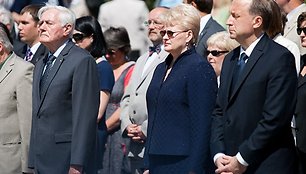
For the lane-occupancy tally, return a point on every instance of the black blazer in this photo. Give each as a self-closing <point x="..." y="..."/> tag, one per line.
<point x="41" y="52"/>
<point x="210" y="28"/>
<point x="255" y="118"/>
<point x="300" y="111"/>
<point x="64" y="119"/>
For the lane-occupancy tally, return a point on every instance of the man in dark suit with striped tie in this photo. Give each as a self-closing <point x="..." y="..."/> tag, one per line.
<point x="33" y="50"/>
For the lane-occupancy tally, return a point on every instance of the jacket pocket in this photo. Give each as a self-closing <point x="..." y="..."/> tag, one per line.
<point x="63" y="138"/>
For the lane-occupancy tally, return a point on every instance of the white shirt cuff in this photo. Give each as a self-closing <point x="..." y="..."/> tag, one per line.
<point x="217" y="156"/>
<point x="241" y="160"/>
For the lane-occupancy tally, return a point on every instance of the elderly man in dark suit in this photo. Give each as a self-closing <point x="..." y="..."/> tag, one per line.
<point x="33" y="50"/>
<point x="65" y="100"/>
<point x="208" y="26"/>
<point x="251" y="124"/>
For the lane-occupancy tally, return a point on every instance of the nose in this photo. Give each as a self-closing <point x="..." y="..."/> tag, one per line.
<point x="229" y="20"/>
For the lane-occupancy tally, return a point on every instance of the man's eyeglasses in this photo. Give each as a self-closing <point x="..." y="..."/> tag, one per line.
<point x="170" y="34"/>
<point x="215" y="53"/>
<point x="78" y="37"/>
<point x="299" y="30"/>
<point x="149" y="22"/>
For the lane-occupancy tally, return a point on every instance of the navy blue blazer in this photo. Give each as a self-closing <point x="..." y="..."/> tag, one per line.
<point x="254" y="119"/>
<point x="180" y="108"/>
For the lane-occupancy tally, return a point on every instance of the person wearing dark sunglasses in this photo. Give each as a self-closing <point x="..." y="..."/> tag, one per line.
<point x="88" y="35"/>
<point x="300" y="110"/>
<point x="218" y="45"/>
<point x="180" y="100"/>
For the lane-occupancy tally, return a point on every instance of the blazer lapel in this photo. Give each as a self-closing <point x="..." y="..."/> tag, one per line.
<point x="301" y="81"/>
<point x="161" y="57"/>
<point x="229" y="77"/>
<point x="57" y="64"/>
<point x="6" y="68"/>
<point x="254" y="57"/>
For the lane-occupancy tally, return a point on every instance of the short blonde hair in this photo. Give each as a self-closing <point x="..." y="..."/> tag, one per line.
<point x="186" y="16"/>
<point x="223" y="41"/>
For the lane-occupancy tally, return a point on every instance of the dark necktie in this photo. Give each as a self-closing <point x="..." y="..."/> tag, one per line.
<point x="239" y="68"/>
<point x="28" y="56"/>
<point x="154" y="49"/>
<point x="48" y="66"/>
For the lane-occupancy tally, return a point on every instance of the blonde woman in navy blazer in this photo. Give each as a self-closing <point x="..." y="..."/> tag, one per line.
<point x="180" y="98"/>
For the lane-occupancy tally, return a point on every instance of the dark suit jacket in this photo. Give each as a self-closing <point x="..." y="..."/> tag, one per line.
<point x="210" y="28"/>
<point x="255" y="118"/>
<point x="179" y="110"/>
<point x="64" y="119"/>
<point x="300" y="111"/>
<point x="41" y="52"/>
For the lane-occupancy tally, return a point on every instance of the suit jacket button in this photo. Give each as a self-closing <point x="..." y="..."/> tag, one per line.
<point x="134" y="112"/>
<point x="136" y="94"/>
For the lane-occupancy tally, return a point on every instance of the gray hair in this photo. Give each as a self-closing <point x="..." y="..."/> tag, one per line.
<point x="4" y="39"/>
<point x="222" y="40"/>
<point x="66" y="16"/>
<point x="6" y="17"/>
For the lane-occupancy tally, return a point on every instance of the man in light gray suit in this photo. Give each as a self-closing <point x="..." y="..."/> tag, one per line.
<point x="208" y="26"/>
<point x="134" y="106"/>
<point x="15" y="108"/>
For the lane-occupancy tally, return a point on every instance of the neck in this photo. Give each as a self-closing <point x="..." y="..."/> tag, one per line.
<point x="3" y="56"/>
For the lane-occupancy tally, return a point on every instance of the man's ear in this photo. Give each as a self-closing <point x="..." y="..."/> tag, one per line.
<point x="67" y="29"/>
<point x="257" y="22"/>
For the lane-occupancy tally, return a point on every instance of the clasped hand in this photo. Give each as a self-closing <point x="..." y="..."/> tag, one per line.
<point x="229" y="165"/>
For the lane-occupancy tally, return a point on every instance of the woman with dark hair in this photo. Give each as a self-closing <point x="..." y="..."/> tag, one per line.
<point x="118" y="44"/>
<point x="88" y="35"/>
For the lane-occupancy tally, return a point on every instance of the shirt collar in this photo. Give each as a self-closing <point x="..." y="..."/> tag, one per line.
<point x="204" y="21"/>
<point x="250" y="49"/>
<point x="60" y="49"/>
<point x="291" y="14"/>
<point x="34" y="48"/>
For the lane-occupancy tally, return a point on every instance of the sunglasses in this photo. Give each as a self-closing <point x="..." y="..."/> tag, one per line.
<point x="215" y="53"/>
<point x="110" y="52"/>
<point x="78" y="36"/>
<point x="299" y="30"/>
<point x="170" y="33"/>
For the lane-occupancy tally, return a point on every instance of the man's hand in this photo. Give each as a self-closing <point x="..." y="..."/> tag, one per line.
<point x="135" y="133"/>
<point x="146" y="172"/>
<point x="75" y="169"/>
<point x="230" y="165"/>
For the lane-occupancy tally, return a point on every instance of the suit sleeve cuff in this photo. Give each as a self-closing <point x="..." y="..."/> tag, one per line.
<point x="241" y="160"/>
<point x="217" y="156"/>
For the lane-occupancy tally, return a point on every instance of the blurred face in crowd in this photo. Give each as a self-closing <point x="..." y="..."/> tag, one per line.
<point x="155" y="25"/>
<point x="215" y="57"/>
<point x="240" y="21"/>
<point x="82" y="40"/>
<point x="52" y="32"/>
<point x="28" y="29"/>
<point x="303" y="34"/>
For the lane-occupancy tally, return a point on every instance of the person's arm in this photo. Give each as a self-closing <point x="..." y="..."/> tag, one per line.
<point x="201" y="92"/>
<point x="24" y="112"/>
<point x="85" y="106"/>
<point x="113" y="121"/>
<point x="104" y="98"/>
